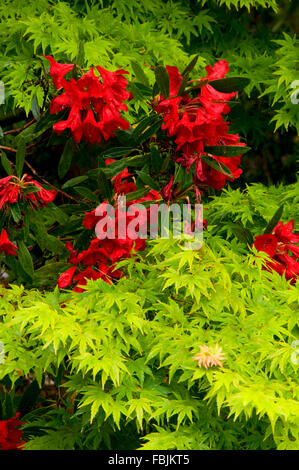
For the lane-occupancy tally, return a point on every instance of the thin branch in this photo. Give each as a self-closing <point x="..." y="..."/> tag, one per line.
<point x="9" y="149"/>
<point x="36" y="174"/>
<point x="49" y="184"/>
<point x="15" y="131"/>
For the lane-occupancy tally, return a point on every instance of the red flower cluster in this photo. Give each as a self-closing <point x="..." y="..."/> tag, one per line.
<point x="198" y="122"/>
<point x="10" y="436"/>
<point x="100" y="258"/>
<point x="277" y="245"/>
<point x="6" y="246"/>
<point x="13" y="189"/>
<point x="95" y="106"/>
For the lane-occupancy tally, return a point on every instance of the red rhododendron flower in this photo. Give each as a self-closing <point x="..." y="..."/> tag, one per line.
<point x="266" y="243"/>
<point x="58" y="71"/>
<point x="43" y="196"/>
<point x="74" y="123"/>
<point x="9" y="191"/>
<point x="10" y="436"/>
<point x="12" y="190"/>
<point x="73" y="253"/>
<point x="65" y="278"/>
<point x="284" y="232"/>
<point x="278" y="245"/>
<point x="166" y="192"/>
<point x="6" y="246"/>
<point x="90" y="220"/>
<point x="95" y="102"/>
<point x="196" y="122"/>
<point x="102" y="254"/>
<point x="120" y="183"/>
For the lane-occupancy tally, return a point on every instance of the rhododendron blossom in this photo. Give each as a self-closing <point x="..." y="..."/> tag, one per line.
<point x="99" y="260"/>
<point x="6" y="246"/>
<point x="13" y="189"/>
<point x="10" y="436"/>
<point x="95" y="102"/>
<point x="196" y="122"/>
<point x="278" y="245"/>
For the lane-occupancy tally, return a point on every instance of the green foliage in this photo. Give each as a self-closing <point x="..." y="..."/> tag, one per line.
<point x="120" y="34"/>
<point x="257" y="39"/>
<point x="113" y="367"/>
<point x="286" y="69"/>
<point x="121" y="356"/>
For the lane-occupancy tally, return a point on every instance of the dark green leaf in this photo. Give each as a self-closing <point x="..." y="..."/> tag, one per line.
<point x="54" y="213"/>
<point x="156" y="159"/>
<point x="25" y="259"/>
<point x="199" y="85"/>
<point x="115" y="168"/>
<point x="186" y="179"/>
<point x="226" y="150"/>
<point x="105" y="186"/>
<point x="80" y="56"/>
<point x="71" y="227"/>
<point x="139" y="73"/>
<point x="148" y="180"/>
<point x="35" y="108"/>
<point x="5" y="163"/>
<point x="149" y="132"/>
<point x="48" y="274"/>
<point x="140" y="90"/>
<point x="20" y="157"/>
<point x="47" y="120"/>
<point x="217" y="166"/>
<point x="136" y="194"/>
<point x="125" y="137"/>
<point x="29" y="398"/>
<point x="29" y="133"/>
<point x="243" y="234"/>
<point x="183" y="84"/>
<point x="31" y="189"/>
<point x="82" y="240"/>
<point x="66" y="159"/>
<point x="143" y="125"/>
<point x="155" y="89"/>
<point x="15" y="212"/>
<point x="116" y="152"/>
<point x="86" y="193"/>
<point x="8" y="405"/>
<point x="190" y="66"/>
<point x="74" y="208"/>
<point x="186" y="74"/>
<point x="2" y="219"/>
<point x="274" y="221"/>
<point x="162" y="80"/>
<point x="137" y="161"/>
<point x="74" y="181"/>
<point x="229" y="85"/>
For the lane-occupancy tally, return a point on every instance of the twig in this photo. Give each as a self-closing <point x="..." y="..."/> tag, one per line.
<point x="10" y="149"/>
<point x="49" y="184"/>
<point x="3" y="147"/>
<point x="15" y="131"/>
